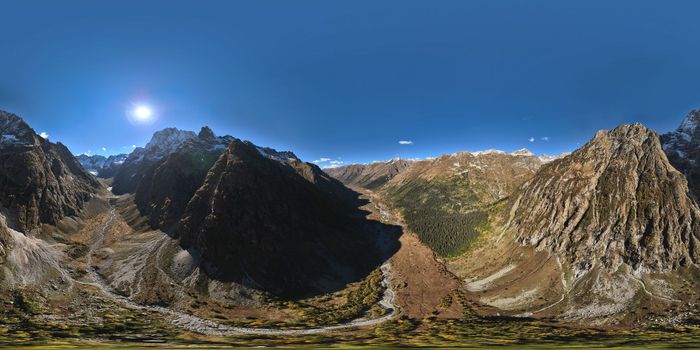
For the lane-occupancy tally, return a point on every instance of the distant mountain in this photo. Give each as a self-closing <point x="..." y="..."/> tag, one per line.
<point x="270" y="218"/>
<point x="101" y="166"/>
<point x="369" y="176"/>
<point x="40" y="182"/>
<point x="445" y="200"/>
<point x="162" y="144"/>
<point x="682" y="147"/>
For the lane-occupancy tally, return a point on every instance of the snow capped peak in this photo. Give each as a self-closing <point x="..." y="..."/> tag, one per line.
<point x="691" y="122"/>
<point x="545" y="158"/>
<point x="488" y="151"/>
<point x="522" y="152"/>
<point x="166" y="141"/>
<point x="13" y="130"/>
<point x="284" y="156"/>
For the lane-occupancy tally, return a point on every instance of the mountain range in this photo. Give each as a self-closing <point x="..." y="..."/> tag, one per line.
<point x="204" y="228"/>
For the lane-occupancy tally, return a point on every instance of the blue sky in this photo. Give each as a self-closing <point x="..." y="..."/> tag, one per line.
<point x="350" y="79"/>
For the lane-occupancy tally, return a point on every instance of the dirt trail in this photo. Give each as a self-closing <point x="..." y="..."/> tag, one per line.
<point x="207" y="327"/>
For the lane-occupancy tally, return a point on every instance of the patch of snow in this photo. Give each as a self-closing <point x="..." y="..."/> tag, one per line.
<point x="545" y="158"/>
<point x="9" y="138"/>
<point x="488" y="151"/>
<point x="522" y="152"/>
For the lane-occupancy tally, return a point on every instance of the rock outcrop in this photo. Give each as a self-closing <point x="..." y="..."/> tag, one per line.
<point x="615" y="201"/>
<point x="40" y="182"/>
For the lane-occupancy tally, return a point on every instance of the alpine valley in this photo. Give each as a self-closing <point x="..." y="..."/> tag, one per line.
<point x="198" y="239"/>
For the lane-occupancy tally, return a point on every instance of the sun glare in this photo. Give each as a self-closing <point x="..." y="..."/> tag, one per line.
<point x="141" y="114"/>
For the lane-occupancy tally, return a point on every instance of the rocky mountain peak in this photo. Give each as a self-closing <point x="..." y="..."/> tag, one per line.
<point x="523" y="152"/>
<point x="40" y="182"/>
<point x="206" y="133"/>
<point x="690" y="123"/>
<point x="682" y="148"/>
<point x="167" y="141"/>
<point x="14" y="130"/>
<point x="615" y="201"/>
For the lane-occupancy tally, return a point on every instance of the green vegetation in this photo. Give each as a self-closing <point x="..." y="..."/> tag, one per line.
<point x="349" y="304"/>
<point x="21" y="323"/>
<point x="445" y="215"/>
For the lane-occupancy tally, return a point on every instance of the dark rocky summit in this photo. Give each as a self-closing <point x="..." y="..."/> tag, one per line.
<point x="168" y="185"/>
<point x="139" y="162"/>
<point x="682" y="147"/>
<point x="40" y="182"/>
<point x="277" y="222"/>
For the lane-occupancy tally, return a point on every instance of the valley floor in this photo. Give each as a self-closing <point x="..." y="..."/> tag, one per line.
<point x="424" y="305"/>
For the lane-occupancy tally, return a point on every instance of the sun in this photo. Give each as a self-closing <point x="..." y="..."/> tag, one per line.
<point x="141" y="113"/>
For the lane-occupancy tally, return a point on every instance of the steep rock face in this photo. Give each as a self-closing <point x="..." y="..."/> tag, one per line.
<point x="269" y="219"/>
<point x="40" y="182"/>
<point x="617" y="200"/>
<point x="370" y="176"/>
<point x="682" y="147"/>
<point x="139" y="162"/>
<point x="166" y="187"/>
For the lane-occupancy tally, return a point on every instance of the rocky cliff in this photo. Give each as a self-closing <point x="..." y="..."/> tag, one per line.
<point x="617" y="200"/>
<point x="40" y="182"/>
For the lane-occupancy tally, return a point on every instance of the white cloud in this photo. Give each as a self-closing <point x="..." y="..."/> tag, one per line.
<point x="405" y="142"/>
<point x="44" y="135"/>
<point x="88" y="153"/>
<point x="133" y="146"/>
<point x="328" y="163"/>
<point x="532" y="139"/>
<point x="321" y="160"/>
<point x="333" y="164"/>
<point x="104" y="149"/>
<point x="544" y="138"/>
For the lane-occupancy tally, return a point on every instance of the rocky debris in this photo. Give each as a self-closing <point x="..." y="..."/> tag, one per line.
<point x="615" y="201"/>
<point x="40" y="182"/>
